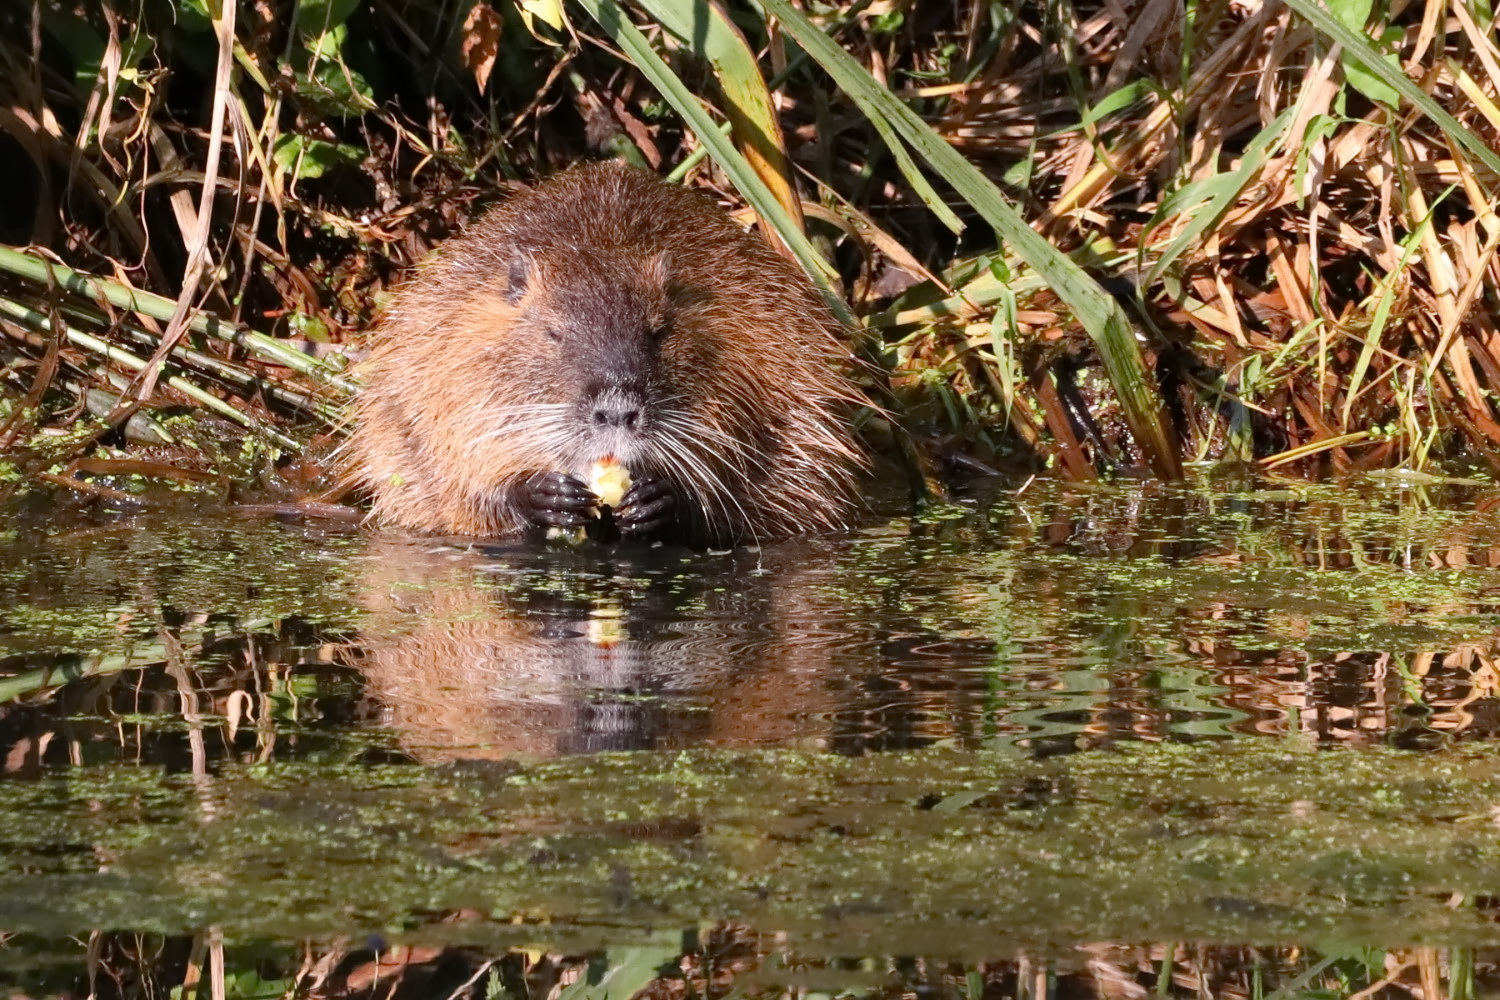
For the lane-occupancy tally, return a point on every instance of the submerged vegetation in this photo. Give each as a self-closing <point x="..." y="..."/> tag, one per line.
<point x="1291" y="206"/>
<point x="947" y="853"/>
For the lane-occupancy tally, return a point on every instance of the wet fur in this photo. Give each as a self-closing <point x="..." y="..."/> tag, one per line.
<point x="469" y="395"/>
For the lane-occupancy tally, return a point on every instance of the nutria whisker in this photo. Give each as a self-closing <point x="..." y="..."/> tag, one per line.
<point x="678" y="455"/>
<point x="517" y="420"/>
<point x="740" y="452"/>
<point x="681" y="463"/>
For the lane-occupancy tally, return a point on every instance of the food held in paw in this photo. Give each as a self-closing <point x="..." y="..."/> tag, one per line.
<point x="609" y="481"/>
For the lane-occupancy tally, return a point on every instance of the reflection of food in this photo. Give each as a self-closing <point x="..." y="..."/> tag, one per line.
<point x="608" y="480"/>
<point x="593" y="655"/>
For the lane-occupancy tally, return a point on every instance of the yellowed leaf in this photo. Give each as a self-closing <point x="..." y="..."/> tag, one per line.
<point x="747" y="101"/>
<point x="549" y="12"/>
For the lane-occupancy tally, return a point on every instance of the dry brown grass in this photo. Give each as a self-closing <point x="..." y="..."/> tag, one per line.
<point x="1314" y="270"/>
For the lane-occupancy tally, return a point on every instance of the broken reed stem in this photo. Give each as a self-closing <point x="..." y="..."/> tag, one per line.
<point x="161" y="308"/>
<point x="219" y="368"/>
<point x="37" y="321"/>
<point x="197" y="262"/>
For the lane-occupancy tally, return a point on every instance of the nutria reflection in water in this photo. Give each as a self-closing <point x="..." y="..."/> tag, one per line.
<point x="562" y="657"/>
<point x="604" y="339"/>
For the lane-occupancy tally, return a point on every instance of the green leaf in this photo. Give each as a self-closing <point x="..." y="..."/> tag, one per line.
<point x="194" y="15"/>
<point x="317" y="17"/>
<point x="248" y="985"/>
<point x="1363" y="79"/>
<point x="303" y="156"/>
<point x="958" y="801"/>
<point x="1121" y="99"/>
<point x="1100" y="315"/>
<point x="625" y="972"/>
<point x="326" y="80"/>
<point x="1359" y="46"/>
<point x="1217" y="194"/>
<point x="914" y="176"/>
<point x="1353" y="14"/>
<point x="84" y="45"/>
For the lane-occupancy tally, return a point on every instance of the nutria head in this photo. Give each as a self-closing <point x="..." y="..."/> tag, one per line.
<point x="594" y="348"/>
<point x="604" y="314"/>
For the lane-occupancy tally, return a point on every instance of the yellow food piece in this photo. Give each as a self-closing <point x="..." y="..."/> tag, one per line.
<point x="608" y="481"/>
<point x="606" y="627"/>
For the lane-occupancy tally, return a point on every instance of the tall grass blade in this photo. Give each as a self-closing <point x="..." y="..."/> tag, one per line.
<point x="1100" y="315"/>
<point x="628" y="37"/>
<point x="198" y="248"/>
<point x="1206" y="201"/>
<point x="747" y="102"/>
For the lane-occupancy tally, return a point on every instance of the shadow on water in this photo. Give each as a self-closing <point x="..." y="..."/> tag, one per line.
<point x="280" y="760"/>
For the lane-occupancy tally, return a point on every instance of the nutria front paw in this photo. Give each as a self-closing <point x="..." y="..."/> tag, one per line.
<point x="647" y="506"/>
<point x="558" y="500"/>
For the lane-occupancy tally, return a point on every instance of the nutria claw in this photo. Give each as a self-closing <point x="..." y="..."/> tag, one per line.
<point x="558" y="500"/>
<point x="647" y="506"/>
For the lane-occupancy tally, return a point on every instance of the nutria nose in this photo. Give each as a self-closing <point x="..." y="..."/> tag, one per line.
<point x="615" y="407"/>
<point x="616" y="416"/>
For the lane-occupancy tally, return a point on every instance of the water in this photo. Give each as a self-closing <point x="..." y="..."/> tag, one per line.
<point x="1209" y="740"/>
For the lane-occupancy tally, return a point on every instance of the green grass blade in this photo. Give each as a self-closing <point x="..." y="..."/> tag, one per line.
<point x="1100" y="315"/>
<point x="1215" y="195"/>
<point x="1357" y="44"/>
<point x="747" y="101"/>
<point x="914" y="176"/>
<point x="635" y="45"/>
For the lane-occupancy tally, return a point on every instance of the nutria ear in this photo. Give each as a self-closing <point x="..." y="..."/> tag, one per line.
<point x="658" y="268"/>
<point x="658" y="272"/>
<point x="518" y="277"/>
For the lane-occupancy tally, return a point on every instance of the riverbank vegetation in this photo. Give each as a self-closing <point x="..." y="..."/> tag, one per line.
<point x="1090" y="236"/>
<point x="727" y="959"/>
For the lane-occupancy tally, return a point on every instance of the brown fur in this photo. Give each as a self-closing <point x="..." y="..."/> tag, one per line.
<point x="744" y="379"/>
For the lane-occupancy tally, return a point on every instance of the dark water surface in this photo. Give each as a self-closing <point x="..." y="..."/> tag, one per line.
<point x="1194" y="741"/>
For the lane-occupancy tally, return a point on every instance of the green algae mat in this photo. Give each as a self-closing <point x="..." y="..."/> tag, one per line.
<point x="938" y="853"/>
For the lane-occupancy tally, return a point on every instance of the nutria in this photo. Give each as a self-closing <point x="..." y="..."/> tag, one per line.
<point x="604" y="316"/>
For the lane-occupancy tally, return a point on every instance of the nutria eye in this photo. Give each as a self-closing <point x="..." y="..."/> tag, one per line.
<point x="657" y="334"/>
<point x="553" y="333"/>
